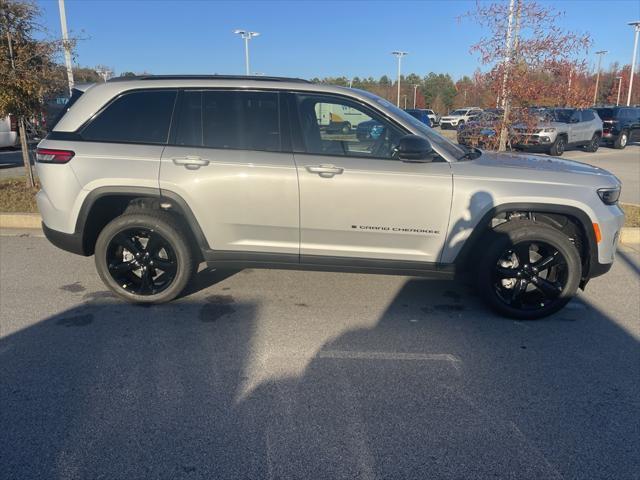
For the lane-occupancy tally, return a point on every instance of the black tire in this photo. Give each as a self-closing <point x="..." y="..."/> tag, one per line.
<point x="537" y="289"/>
<point x="557" y="149"/>
<point x="622" y="140"/>
<point x="134" y="276"/>
<point x="593" y="144"/>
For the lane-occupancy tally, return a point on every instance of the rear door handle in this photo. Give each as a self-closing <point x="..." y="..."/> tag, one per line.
<point x="191" y="162"/>
<point x="326" y="171"/>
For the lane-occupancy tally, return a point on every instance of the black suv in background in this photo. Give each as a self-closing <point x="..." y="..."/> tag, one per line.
<point x="620" y="125"/>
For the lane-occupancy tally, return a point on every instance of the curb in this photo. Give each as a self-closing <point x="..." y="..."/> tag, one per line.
<point x="20" y="220"/>
<point x="33" y="220"/>
<point x="630" y="235"/>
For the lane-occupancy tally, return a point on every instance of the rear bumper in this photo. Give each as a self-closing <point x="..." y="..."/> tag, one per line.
<point x="71" y="242"/>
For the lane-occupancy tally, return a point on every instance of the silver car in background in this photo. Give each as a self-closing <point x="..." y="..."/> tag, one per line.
<point x="554" y="130"/>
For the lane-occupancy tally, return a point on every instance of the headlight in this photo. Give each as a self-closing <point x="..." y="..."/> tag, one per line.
<point x="609" y="196"/>
<point x="548" y="130"/>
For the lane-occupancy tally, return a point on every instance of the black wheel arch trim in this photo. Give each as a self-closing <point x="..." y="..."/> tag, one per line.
<point x="144" y="192"/>
<point x="591" y="267"/>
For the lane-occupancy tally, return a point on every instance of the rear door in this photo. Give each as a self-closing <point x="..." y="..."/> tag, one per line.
<point x="359" y="202"/>
<point x="230" y="161"/>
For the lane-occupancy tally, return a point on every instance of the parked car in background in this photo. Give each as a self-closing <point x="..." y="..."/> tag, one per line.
<point x="621" y="125"/>
<point x="480" y="131"/>
<point x="459" y="117"/>
<point x="435" y="118"/>
<point x="556" y="129"/>
<point x="9" y="132"/>
<point x="420" y="114"/>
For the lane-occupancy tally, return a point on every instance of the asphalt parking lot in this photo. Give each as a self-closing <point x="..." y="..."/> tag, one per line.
<point x="283" y="374"/>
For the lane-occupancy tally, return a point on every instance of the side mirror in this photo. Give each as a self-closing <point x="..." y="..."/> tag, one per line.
<point x="414" y="148"/>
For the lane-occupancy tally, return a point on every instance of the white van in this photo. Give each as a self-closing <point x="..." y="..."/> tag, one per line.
<point x="8" y="131"/>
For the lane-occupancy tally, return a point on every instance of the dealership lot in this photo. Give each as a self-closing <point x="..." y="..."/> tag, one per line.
<point x="310" y="375"/>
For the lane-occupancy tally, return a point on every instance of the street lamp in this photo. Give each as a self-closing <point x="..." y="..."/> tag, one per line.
<point x="595" y="93"/>
<point x="636" y="27"/>
<point x="415" y="92"/>
<point x="619" y="85"/>
<point x="246" y="35"/>
<point x="398" y="54"/>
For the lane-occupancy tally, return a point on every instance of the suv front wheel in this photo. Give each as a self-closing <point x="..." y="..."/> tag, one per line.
<point x="557" y="149"/>
<point x="143" y="257"/>
<point x="529" y="270"/>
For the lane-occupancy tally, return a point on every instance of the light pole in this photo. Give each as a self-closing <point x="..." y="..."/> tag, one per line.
<point x="398" y="54"/>
<point x="619" y="85"/>
<point x="595" y="93"/>
<point x="246" y="35"/>
<point x="636" y="27"/>
<point x="66" y="45"/>
<point x="415" y="92"/>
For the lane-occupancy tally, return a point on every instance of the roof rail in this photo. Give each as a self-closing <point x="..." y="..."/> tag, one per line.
<point x="209" y="77"/>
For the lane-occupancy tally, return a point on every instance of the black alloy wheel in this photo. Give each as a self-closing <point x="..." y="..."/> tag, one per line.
<point x="141" y="261"/>
<point x="530" y="276"/>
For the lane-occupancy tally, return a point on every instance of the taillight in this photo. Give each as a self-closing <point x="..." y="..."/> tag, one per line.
<point x="47" y="155"/>
<point x="14" y="123"/>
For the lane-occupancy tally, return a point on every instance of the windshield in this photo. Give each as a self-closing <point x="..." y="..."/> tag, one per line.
<point x="459" y="112"/>
<point x="606" y="113"/>
<point x="562" y="115"/>
<point x="440" y="143"/>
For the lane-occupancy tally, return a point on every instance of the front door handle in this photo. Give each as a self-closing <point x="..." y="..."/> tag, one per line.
<point x="191" y="162"/>
<point x="325" y="171"/>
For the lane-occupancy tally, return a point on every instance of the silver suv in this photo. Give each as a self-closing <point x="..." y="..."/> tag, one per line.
<point x="155" y="175"/>
<point x="557" y="129"/>
<point x="459" y="117"/>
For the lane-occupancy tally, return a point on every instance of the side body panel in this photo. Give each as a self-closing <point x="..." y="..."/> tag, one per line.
<point x="384" y="209"/>
<point x="480" y="187"/>
<point x="242" y="200"/>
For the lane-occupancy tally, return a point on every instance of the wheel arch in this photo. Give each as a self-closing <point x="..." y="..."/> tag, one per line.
<point x="546" y="213"/>
<point x="105" y="203"/>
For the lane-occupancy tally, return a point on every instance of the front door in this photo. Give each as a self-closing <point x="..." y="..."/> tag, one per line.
<point x="228" y="161"/>
<point x="356" y="200"/>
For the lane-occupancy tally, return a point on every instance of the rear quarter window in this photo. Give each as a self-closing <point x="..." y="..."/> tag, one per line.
<point x="134" y="117"/>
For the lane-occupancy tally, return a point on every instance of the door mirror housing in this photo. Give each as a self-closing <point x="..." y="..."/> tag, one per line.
<point x="414" y="148"/>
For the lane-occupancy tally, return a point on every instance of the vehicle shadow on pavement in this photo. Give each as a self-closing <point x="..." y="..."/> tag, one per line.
<point x="436" y="388"/>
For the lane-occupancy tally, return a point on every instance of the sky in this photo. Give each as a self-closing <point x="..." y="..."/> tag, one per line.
<point x="307" y="38"/>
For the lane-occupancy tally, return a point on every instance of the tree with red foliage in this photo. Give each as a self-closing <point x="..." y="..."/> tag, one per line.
<point x="532" y="60"/>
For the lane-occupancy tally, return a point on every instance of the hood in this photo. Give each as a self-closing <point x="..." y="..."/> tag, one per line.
<point x="541" y="163"/>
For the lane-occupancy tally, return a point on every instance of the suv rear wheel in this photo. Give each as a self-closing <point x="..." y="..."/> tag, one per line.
<point x="529" y="270"/>
<point x="593" y="145"/>
<point x="557" y="149"/>
<point x="143" y="257"/>
<point x="621" y="141"/>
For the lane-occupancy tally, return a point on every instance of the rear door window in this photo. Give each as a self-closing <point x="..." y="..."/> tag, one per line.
<point x="587" y="115"/>
<point x="135" y="117"/>
<point x="229" y="120"/>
